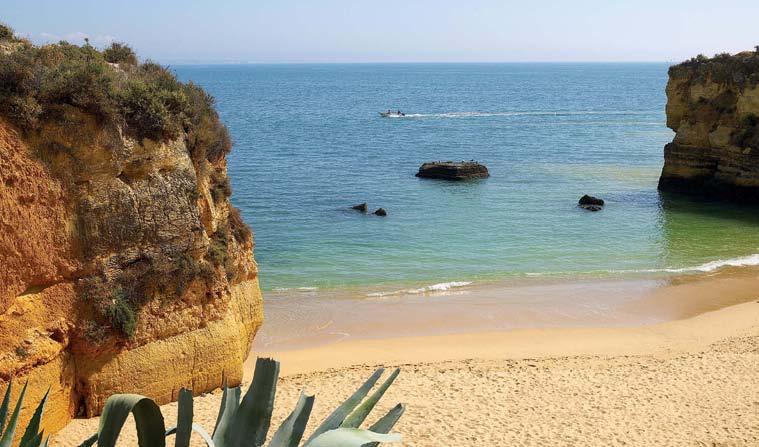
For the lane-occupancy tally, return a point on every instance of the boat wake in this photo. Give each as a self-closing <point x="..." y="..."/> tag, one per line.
<point x="523" y="113"/>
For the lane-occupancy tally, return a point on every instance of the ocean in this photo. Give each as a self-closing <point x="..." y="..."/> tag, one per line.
<point x="309" y="143"/>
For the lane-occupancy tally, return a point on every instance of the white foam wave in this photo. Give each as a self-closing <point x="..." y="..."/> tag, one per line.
<point x="711" y="266"/>
<point x="441" y="287"/>
<point x="300" y="289"/>
<point x="523" y="113"/>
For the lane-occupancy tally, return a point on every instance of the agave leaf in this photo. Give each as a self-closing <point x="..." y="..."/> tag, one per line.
<point x="337" y="417"/>
<point x="89" y="441"/>
<point x="222" y="406"/>
<point x="250" y="423"/>
<point x="351" y="437"/>
<point x="34" y="441"/>
<point x="10" y="430"/>
<point x="291" y="431"/>
<point x="197" y="428"/>
<point x="387" y="422"/>
<point x="230" y="400"/>
<point x="147" y="417"/>
<point x="4" y="406"/>
<point x="184" y="419"/>
<point x="33" y="428"/>
<point x="357" y="417"/>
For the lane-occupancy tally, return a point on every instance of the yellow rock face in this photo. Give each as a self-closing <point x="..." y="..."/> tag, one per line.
<point x="713" y="106"/>
<point x="83" y="205"/>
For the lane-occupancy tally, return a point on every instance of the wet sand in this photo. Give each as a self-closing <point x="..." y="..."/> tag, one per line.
<point x="309" y="318"/>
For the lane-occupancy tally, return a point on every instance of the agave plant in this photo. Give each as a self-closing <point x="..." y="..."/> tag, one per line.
<point x="32" y="437"/>
<point x="245" y="422"/>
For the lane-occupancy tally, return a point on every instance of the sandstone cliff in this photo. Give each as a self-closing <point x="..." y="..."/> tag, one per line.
<point x="124" y="266"/>
<point x="713" y="105"/>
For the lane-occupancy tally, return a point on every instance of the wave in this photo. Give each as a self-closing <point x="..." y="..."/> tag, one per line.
<point x="744" y="261"/>
<point x="440" y="287"/>
<point x="299" y="289"/>
<point x="524" y="113"/>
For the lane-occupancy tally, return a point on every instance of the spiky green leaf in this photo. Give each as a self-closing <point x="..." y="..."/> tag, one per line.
<point x="387" y="422"/>
<point x="230" y="402"/>
<point x="4" y="406"/>
<point x="184" y="419"/>
<point x="351" y="437"/>
<point x="147" y="417"/>
<point x="250" y="423"/>
<point x="89" y="441"/>
<point x="337" y="417"/>
<point x="197" y="428"/>
<point x="7" y="438"/>
<point x="357" y="417"/>
<point x="291" y="431"/>
<point x="33" y="428"/>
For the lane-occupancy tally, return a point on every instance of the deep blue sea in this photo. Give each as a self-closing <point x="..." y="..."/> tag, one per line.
<point x="309" y="143"/>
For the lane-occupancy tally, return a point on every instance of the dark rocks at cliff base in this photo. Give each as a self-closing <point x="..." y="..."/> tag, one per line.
<point x="590" y="203"/>
<point x="380" y="212"/>
<point x="361" y="207"/>
<point x="450" y="170"/>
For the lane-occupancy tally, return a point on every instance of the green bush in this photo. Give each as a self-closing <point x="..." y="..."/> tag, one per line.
<point x="121" y="314"/>
<point x="146" y="99"/>
<point x="6" y="32"/>
<point x="120" y="53"/>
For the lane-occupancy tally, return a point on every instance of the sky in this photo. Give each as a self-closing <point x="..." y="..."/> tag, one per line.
<point x="273" y="31"/>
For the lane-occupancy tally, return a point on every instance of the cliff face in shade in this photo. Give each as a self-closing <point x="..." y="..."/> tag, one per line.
<point x="713" y="106"/>
<point x="92" y="219"/>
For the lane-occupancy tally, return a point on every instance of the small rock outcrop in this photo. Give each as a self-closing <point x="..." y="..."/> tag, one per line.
<point x="380" y="212"/>
<point x="361" y="207"/>
<point x="590" y="203"/>
<point x="450" y="170"/>
<point x="713" y="106"/>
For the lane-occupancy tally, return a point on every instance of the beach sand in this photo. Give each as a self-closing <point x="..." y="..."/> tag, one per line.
<point x="691" y="381"/>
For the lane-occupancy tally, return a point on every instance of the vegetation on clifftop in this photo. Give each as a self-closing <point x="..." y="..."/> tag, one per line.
<point x="741" y="69"/>
<point x="37" y="83"/>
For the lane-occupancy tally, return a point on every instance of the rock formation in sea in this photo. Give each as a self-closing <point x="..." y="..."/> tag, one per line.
<point x="450" y="170"/>
<point x="713" y="106"/>
<point x="124" y="266"/>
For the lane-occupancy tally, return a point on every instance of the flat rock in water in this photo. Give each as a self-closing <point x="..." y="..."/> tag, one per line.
<point x="450" y="170"/>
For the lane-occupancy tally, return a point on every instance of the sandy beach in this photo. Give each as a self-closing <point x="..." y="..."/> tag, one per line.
<point x="690" y="381"/>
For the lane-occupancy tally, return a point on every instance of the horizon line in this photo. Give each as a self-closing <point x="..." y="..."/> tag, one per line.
<point x="222" y="62"/>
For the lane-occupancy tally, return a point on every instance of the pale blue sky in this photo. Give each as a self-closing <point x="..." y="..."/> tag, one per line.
<point x="174" y="31"/>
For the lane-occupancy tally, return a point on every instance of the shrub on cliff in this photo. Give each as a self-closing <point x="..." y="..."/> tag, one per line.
<point x="6" y="32"/>
<point x="120" y="53"/>
<point x="146" y="100"/>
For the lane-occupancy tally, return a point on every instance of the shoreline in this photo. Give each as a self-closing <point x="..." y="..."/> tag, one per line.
<point x="309" y="319"/>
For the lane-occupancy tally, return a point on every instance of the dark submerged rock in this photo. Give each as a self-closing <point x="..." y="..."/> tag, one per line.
<point x="450" y="170"/>
<point x="381" y="212"/>
<point x="590" y="200"/>
<point x="361" y="207"/>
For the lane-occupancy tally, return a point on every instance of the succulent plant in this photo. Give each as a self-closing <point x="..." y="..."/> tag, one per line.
<point x="240" y="423"/>
<point x="32" y="437"/>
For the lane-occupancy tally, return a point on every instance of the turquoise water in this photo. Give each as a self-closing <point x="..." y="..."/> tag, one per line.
<point x="309" y="143"/>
